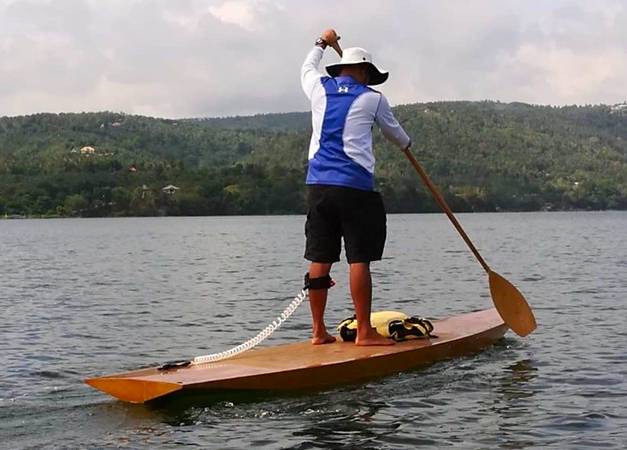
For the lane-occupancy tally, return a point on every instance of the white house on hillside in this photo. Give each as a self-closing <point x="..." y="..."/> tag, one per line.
<point x="170" y="189"/>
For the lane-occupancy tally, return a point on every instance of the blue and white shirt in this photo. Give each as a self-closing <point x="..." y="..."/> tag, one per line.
<point x="342" y="115"/>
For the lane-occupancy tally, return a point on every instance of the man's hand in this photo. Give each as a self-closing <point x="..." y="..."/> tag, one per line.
<point x="330" y="36"/>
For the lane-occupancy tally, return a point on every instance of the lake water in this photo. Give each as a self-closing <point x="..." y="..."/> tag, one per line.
<point x="87" y="297"/>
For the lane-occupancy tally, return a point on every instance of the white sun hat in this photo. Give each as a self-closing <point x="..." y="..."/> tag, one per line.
<point x="357" y="55"/>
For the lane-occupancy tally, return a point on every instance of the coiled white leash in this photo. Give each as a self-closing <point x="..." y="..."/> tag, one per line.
<point x="255" y="341"/>
<point x="324" y="282"/>
<point x="249" y="344"/>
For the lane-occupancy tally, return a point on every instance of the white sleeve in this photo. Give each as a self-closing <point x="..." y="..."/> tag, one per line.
<point x="309" y="73"/>
<point x="389" y="125"/>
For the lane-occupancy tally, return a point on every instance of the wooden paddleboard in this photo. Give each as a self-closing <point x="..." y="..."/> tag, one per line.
<point x="302" y="366"/>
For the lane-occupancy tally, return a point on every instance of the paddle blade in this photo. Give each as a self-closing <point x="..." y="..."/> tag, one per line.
<point x="511" y="305"/>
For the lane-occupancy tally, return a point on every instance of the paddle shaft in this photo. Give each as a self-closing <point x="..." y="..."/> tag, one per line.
<point x="438" y="197"/>
<point x="434" y="191"/>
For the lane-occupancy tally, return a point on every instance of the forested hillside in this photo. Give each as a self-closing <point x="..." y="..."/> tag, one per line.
<point x="485" y="156"/>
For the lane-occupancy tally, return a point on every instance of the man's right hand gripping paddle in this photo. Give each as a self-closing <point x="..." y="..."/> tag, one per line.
<point x="330" y="37"/>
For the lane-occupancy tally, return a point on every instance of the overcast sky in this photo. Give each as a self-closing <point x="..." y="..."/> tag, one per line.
<point x="197" y="58"/>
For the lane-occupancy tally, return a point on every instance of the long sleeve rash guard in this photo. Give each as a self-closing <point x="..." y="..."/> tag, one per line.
<point x="342" y="115"/>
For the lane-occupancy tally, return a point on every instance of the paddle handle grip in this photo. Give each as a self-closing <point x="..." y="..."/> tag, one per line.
<point x="438" y="198"/>
<point x="331" y="37"/>
<point x="337" y="48"/>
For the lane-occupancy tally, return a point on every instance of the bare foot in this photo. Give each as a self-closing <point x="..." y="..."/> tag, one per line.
<point x="373" y="338"/>
<point x="326" y="338"/>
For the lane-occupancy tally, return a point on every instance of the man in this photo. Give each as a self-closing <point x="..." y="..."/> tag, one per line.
<point x="340" y="178"/>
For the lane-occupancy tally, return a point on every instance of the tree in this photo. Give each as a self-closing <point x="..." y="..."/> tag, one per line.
<point x="74" y="205"/>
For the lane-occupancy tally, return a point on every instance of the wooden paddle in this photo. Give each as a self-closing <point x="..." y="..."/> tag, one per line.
<point x="508" y="300"/>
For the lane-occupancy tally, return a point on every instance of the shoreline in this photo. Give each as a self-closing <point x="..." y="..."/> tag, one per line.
<point x="42" y="217"/>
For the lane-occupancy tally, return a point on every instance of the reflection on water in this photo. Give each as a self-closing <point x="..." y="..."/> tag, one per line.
<point x="356" y="425"/>
<point x="514" y="383"/>
<point x="515" y="402"/>
<point x="87" y="297"/>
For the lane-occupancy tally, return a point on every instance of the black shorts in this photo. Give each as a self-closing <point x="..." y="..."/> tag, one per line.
<point x="335" y="212"/>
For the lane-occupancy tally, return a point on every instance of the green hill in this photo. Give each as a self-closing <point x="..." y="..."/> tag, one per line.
<point x="485" y="156"/>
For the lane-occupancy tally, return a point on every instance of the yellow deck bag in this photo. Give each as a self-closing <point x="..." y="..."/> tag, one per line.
<point x="393" y="324"/>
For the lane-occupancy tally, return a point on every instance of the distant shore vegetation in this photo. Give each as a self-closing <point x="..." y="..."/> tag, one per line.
<point x="484" y="156"/>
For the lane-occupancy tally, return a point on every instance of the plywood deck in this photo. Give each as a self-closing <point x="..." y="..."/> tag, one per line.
<point x="304" y="366"/>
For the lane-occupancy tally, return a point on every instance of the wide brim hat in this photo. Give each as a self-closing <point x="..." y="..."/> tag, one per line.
<point x="356" y="55"/>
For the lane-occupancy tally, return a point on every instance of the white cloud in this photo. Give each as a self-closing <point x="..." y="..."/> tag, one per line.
<point x="202" y="57"/>
<point x="240" y="13"/>
<point x="586" y="76"/>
